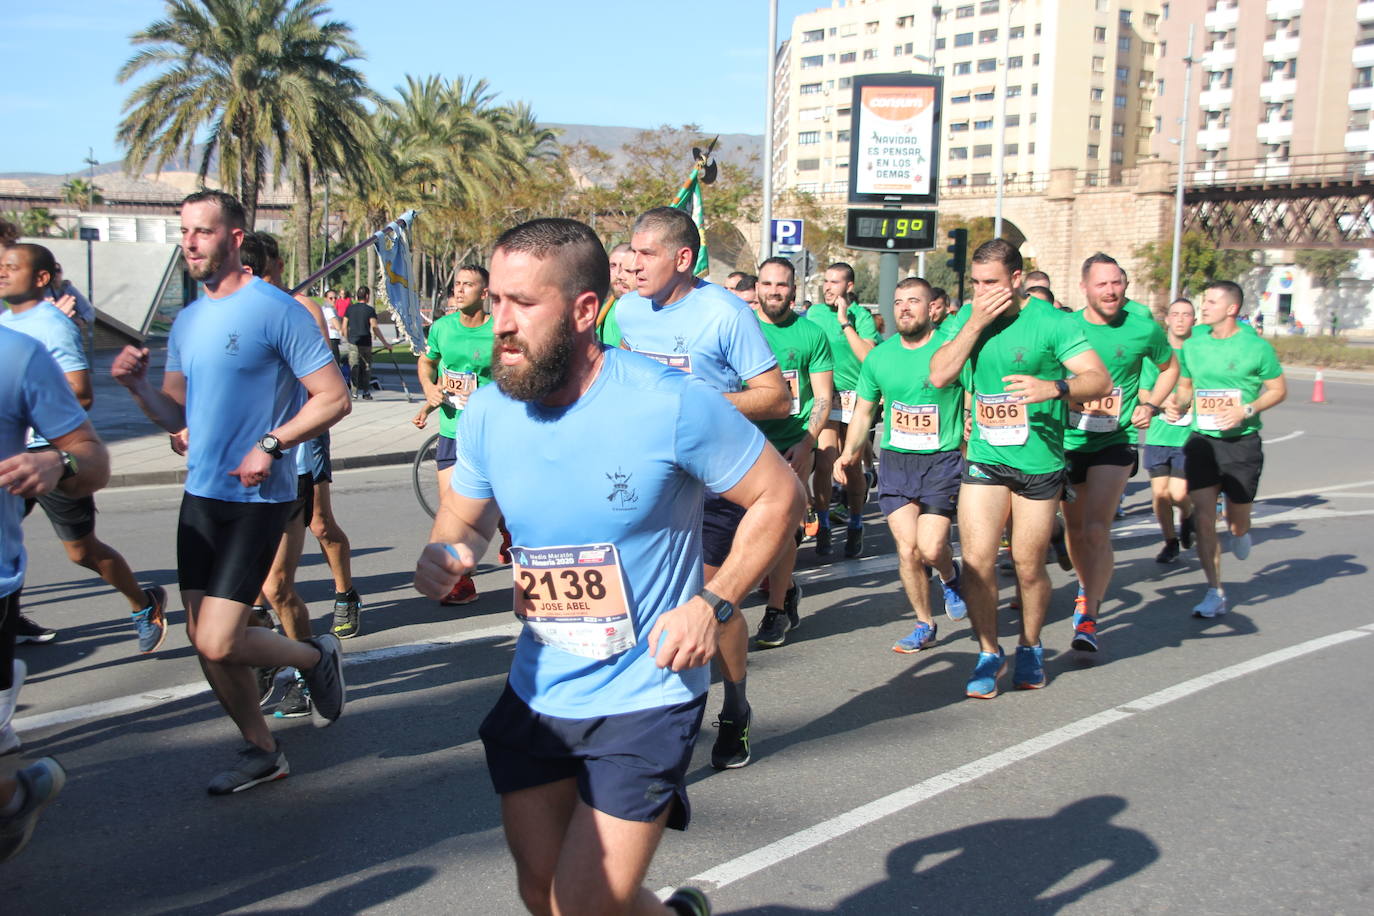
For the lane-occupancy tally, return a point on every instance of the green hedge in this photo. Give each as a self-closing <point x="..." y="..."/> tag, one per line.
<point x="1326" y="352"/>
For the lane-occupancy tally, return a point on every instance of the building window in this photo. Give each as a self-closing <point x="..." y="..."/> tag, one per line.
<point x="1031" y="148"/>
<point x="870" y="53"/>
<point x="871" y="28"/>
<point x="958" y="127"/>
<point x="1118" y="129"/>
<point x="1100" y="35"/>
<point x="1035" y="60"/>
<point x="843" y="112"/>
<point x="897" y="51"/>
<point x="1099" y="64"/>
<point x="1015" y="63"/>
<point x="1147" y="48"/>
<point x="982" y="179"/>
<point x="1359" y="119"/>
<point x="963" y="12"/>
<point x="849" y="57"/>
<point x="811" y="114"/>
<point x="939" y="44"/>
<point x="987" y="37"/>
<point x="1016" y="31"/>
<point x="1144" y="132"/>
<point x="988" y="65"/>
<point x="846" y="82"/>
<point x="982" y="151"/>
<point x="842" y="136"/>
<point x="963" y="39"/>
<point x="1035" y="90"/>
<point x="959" y="99"/>
<point x="1013" y="120"/>
<point x="984" y="96"/>
<point x="808" y="137"/>
<point x="1117" y="157"/>
<point x="813" y="35"/>
<point x="958" y="181"/>
<point x="1013" y="92"/>
<point x="905" y="22"/>
<point x="808" y="165"/>
<point x="1011" y="149"/>
<point x="1095" y="94"/>
<point x="841" y="163"/>
<point x="958" y="152"/>
<point x="1123" y="44"/>
<point x="1123" y="74"/>
<point x="963" y="68"/>
<point x="1159" y="124"/>
<point x="982" y="124"/>
<point x="1125" y="17"/>
<point x="987" y="6"/>
<point x="1092" y="150"/>
<point x="938" y="71"/>
<point x="1364" y="78"/>
<point x="1094" y="122"/>
<point x="1119" y="101"/>
<point x="810" y="63"/>
<point x="810" y="88"/>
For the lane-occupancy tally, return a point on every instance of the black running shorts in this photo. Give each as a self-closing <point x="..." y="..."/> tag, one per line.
<point x="1121" y="455"/>
<point x="1234" y="465"/>
<point x="1030" y="486"/>
<point x="225" y="549"/>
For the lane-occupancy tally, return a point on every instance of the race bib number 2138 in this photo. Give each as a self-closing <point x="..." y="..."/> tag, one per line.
<point x="573" y="598"/>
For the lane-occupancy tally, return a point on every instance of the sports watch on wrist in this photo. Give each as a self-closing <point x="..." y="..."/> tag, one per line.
<point x="1063" y="388"/>
<point x="271" y="445"/>
<point x="1249" y="411"/>
<point x="69" y="466"/>
<point x="723" y="609"/>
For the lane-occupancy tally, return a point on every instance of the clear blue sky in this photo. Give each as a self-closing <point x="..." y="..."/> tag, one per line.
<point x="637" y="63"/>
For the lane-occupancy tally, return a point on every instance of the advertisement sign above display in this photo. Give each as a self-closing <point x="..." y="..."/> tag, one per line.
<point x="894" y="151"/>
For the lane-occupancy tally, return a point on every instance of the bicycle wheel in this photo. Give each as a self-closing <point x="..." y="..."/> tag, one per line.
<point x="424" y="475"/>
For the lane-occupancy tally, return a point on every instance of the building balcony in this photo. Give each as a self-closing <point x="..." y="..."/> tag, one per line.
<point x="1364" y="12"/>
<point x="1362" y="56"/>
<point x="1284" y="9"/>
<point x="1269" y="169"/>
<point x="1362" y="98"/>
<point x="1224" y="18"/>
<point x="1219" y="57"/>
<point x="1284" y="47"/>
<point x="1215" y="99"/>
<point x="1278" y="90"/>
<point x="1213" y="137"/>
<point x="1274" y="131"/>
<point x="1359" y="141"/>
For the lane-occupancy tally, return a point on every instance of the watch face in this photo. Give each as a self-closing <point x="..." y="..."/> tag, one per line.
<point x="724" y="611"/>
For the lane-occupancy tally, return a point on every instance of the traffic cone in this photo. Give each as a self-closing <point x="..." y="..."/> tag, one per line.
<point x="1319" y="389"/>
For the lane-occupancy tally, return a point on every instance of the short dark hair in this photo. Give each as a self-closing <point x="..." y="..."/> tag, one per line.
<point x="477" y="269"/>
<point x="583" y="264"/>
<point x="363" y="294"/>
<point x="909" y="282"/>
<point x="676" y="228"/>
<point x="1184" y="299"/>
<point x="1232" y="291"/>
<point x="1041" y="292"/>
<point x="253" y="254"/>
<point x="40" y="258"/>
<point x="269" y="244"/>
<point x="1038" y="277"/>
<point x="781" y="262"/>
<point x="938" y="292"/>
<point x="746" y="283"/>
<point x="1101" y="258"/>
<point x="999" y="251"/>
<point x="735" y="275"/>
<point x="234" y="214"/>
<point x="848" y="271"/>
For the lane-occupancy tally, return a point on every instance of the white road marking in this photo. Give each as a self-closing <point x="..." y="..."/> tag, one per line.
<point x="794" y="844"/>
<point x="1293" y="435"/>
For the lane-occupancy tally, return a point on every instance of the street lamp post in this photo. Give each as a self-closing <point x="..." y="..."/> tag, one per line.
<point x="1182" y="167"/>
<point x="766" y="229"/>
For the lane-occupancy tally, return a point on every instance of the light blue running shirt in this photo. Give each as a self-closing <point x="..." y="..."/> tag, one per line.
<point x="625" y="466"/>
<point x="33" y="393"/>
<point x="710" y="332"/>
<point x="242" y="357"/>
<point x="47" y="324"/>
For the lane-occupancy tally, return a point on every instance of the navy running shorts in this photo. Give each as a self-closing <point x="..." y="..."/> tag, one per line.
<point x="720" y="519"/>
<point x="631" y="766"/>
<point x="931" y="481"/>
<point x="225" y="549"/>
<point x="1165" y="461"/>
<point x="72" y="517"/>
<point x="445" y="452"/>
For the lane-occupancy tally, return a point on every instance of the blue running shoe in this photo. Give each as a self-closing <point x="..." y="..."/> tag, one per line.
<point x="982" y="684"/>
<point x="954" y="602"/>
<point x="1084" y="633"/>
<point x="1030" y="668"/>
<point x="922" y="637"/>
<point x="151" y="622"/>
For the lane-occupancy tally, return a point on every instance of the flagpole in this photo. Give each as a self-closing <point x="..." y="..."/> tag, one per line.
<point x="299" y="287"/>
<point x="766" y="230"/>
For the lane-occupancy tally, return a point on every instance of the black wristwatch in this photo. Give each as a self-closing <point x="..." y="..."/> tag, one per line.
<point x="723" y="609"/>
<point x="1155" y="409"/>
<point x="271" y="445"/>
<point x="69" y="467"/>
<point x="1063" y="387"/>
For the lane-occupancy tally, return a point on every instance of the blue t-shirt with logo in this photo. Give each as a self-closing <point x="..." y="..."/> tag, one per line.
<point x="242" y="357"/>
<point x="33" y="393"/>
<point x="625" y="465"/>
<point x="47" y="324"/>
<point x="710" y="332"/>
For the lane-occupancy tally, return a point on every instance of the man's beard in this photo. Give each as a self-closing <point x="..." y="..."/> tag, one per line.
<point x="915" y="332"/>
<point x="775" y="312"/>
<point x="543" y="372"/>
<point x="208" y="267"/>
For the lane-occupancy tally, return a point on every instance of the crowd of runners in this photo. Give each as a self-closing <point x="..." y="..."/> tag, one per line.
<point x="745" y="427"/>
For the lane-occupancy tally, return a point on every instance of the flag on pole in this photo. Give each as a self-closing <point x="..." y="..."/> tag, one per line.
<point x="689" y="199"/>
<point x="393" y="249"/>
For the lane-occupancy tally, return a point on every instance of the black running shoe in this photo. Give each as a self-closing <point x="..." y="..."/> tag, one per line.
<point x="267" y="680"/>
<point x="326" y="681"/>
<point x="791" y="603"/>
<point x="1185" y="533"/>
<point x="295" y="704"/>
<point x="1061" y="551"/>
<point x="253" y="767"/>
<point x="1170" y="552"/>
<point x="347" y="615"/>
<point x="773" y="630"/>
<point x="854" y="542"/>
<point x="823" y="548"/>
<point x="731" y="750"/>
<point x="26" y="630"/>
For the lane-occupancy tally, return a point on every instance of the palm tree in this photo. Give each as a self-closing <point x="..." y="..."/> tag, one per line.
<point x="84" y="194"/>
<point x="264" y="79"/>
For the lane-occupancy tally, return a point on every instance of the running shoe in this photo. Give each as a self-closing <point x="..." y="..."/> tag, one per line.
<point x="1121" y="509"/>
<point x="464" y="592"/>
<point x="1061" y="550"/>
<point x="348" y="610"/>
<point x="26" y="630"/>
<point x="267" y="683"/>
<point x="688" y="901"/>
<point x="1084" y="633"/>
<point x="731" y="750"/>
<point x="1030" y="668"/>
<point x="839" y="513"/>
<point x="326" y="681"/>
<point x="1213" y="604"/>
<point x="982" y="684"/>
<point x="812" y="523"/>
<point x="791" y="604"/>
<point x="1185" y="532"/>
<point x="260" y="616"/>
<point x="503" y="555"/>
<point x="853" y="542"/>
<point x="922" y="637"/>
<point x="1080" y="607"/>
<point x="955" y="608"/>
<point x="151" y="622"/>
<point x="870" y="477"/>
<point x="295" y="703"/>
<point x="253" y="766"/>
<point x="1170" y="552"/>
<point x="823" y="548"/>
<point x="1240" y="546"/>
<point x="41" y="781"/>
<point x="773" y="630"/>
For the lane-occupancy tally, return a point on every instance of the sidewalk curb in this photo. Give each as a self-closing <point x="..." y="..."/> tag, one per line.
<point x="156" y="478"/>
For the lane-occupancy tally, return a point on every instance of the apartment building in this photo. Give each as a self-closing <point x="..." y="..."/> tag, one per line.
<point x="1066" y="83"/>
<point x="1273" y="80"/>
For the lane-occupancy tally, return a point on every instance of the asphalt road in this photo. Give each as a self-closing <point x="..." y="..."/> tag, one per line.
<point x="1208" y="766"/>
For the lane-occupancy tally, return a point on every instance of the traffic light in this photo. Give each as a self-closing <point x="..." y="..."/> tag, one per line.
<point x="958" y="251"/>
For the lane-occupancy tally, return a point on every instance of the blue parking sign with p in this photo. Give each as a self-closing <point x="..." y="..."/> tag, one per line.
<point x="787" y="236"/>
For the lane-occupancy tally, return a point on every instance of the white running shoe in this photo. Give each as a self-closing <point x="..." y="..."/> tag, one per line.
<point x="1240" y="546"/>
<point x="1213" y="604"/>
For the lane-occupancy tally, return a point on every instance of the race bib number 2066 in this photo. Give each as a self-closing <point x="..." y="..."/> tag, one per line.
<point x="574" y="598"/>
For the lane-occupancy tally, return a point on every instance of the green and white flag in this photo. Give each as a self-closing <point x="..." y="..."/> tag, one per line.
<point x="689" y="199"/>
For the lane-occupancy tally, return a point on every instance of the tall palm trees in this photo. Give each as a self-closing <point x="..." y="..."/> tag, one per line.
<point x="271" y="82"/>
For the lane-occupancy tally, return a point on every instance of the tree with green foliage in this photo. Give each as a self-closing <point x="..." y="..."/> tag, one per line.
<point x="81" y="192"/>
<point x="1200" y="262"/>
<point x="270" y="80"/>
<point x="1324" y="265"/>
<point x="35" y="222"/>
